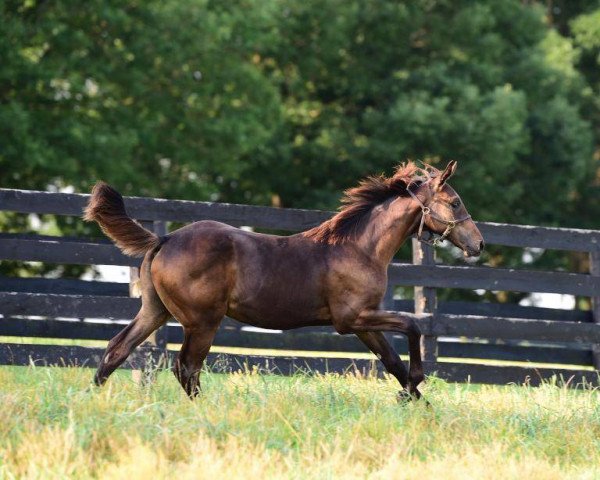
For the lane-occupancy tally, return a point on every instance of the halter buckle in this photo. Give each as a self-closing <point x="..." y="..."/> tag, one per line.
<point x="436" y="242"/>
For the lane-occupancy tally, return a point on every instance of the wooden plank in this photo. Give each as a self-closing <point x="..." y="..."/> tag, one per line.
<point x="26" y="201"/>
<point x="513" y="311"/>
<point x="58" y="355"/>
<point x="291" y="340"/>
<point x="325" y="342"/>
<point x="594" y="259"/>
<point x="24" y="354"/>
<point x="518" y="353"/>
<point x="84" y="329"/>
<point x="62" y="286"/>
<point x="29" y="201"/>
<point x="78" y="306"/>
<point x="295" y="340"/>
<point x="71" y="329"/>
<point x="502" y="375"/>
<point x="571" y="239"/>
<point x="425" y="301"/>
<point x="58" y="250"/>
<point x="65" y="238"/>
<point x="69" y="306"/>
<point x="444" y="276"/>
<point x="472" y="326"/>
<point x="337" y="343"/>
<point x="387" y="303"/>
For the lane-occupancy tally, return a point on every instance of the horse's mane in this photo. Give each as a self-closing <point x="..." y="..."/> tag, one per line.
<point x="358" y="202"/>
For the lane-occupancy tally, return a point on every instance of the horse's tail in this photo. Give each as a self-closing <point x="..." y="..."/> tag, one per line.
<point x="106" y="207"/>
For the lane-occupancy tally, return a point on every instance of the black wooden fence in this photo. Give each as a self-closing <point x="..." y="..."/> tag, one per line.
<point x="66" y="308"/>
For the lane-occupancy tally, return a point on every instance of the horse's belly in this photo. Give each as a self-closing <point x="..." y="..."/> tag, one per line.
<point x="278" y="314"/>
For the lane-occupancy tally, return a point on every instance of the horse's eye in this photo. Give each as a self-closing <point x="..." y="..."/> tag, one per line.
<point x="455" y="204"/>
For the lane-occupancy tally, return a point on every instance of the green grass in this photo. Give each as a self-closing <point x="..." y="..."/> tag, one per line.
<point x="53" y="424"/>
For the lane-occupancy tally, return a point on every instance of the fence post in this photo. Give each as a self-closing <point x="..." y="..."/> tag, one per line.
<point x="425" y="298"/>
<point x="387" y="303"/>
<point x="153" y="352"/>
<point x="595" y="270"/>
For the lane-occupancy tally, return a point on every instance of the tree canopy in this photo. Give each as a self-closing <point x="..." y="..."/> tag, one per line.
<point x="288" y="102"/>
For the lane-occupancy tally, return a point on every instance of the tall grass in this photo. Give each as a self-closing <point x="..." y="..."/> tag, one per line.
<point x="53" y="424"/>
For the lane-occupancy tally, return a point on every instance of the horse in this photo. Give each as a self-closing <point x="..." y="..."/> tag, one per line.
<point x="334" y="274"/>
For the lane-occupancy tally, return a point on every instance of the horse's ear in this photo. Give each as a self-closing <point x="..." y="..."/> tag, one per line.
<point x="440" y="181"/>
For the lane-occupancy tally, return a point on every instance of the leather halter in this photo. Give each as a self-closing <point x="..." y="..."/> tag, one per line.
<point x="425" y="210"/>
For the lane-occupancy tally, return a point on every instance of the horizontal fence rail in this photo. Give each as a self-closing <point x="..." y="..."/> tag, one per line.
<point x="151" y="209"/>
<point x="299" y="340"/>
<point x="95" y="311"/>
<point x="472" y="326"/>
<point x="67" y="286"/>
<point x="444" y="276"/>
<point x="55" y="250"/>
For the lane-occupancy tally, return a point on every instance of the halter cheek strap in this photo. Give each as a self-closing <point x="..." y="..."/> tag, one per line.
<point x="425" y="210"/>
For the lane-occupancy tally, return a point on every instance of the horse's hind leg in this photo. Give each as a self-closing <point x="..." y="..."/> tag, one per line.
<point x="149" y="318"/>
<point x="196" y="345"/>
<point x="152" y="315"/>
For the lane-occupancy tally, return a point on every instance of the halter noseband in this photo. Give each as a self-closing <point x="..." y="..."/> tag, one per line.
<point x="425" y="210"/>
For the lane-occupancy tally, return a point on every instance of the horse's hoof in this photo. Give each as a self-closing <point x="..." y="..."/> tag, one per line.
<point x="421" y="398"/>
<point x="404" y="397"/>
<point x="99" y="379"/>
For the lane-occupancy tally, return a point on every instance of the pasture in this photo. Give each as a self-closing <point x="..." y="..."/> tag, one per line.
<point x="258" y="115"/>
<point x="54" y="424"/>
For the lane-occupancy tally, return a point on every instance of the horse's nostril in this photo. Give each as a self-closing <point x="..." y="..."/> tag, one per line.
<point x="481" y="246"/>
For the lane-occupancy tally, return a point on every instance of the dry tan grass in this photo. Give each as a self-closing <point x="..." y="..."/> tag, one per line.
<point x="54" y="425"/>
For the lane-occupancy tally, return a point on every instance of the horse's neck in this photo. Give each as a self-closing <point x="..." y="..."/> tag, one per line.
<point x="389" y="226"/>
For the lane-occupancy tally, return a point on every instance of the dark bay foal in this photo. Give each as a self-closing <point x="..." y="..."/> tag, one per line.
<point x="334" y="274"/>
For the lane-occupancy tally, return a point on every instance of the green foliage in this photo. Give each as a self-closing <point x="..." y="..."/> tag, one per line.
<point x="157" y="98"/>
<point x="289" y="102"/>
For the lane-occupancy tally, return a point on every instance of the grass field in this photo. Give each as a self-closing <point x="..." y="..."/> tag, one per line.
<point x="53" y="424"/>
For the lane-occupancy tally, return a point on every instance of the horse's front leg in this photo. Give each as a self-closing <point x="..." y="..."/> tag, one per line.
<point x="384" y="321"/>
<point x="379" y="345"/>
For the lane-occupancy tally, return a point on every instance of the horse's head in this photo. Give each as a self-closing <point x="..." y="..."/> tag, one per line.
<point x="445" y="214"/>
